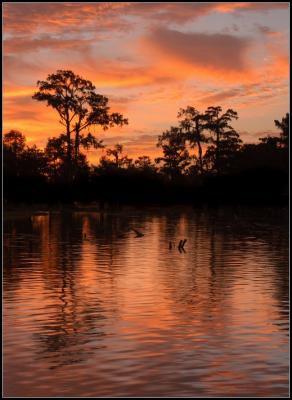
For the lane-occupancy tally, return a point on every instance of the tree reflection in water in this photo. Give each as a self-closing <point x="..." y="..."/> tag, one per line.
<point x="87" y="293"/>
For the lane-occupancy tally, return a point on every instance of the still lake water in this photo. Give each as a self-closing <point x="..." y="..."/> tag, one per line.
<point x="90" y="309"/>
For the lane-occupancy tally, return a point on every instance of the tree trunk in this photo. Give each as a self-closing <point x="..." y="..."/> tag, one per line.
<point x="198" y="137"/>
<point x="76" y="153"/>
<point x="200" y="156"/>
<point x="217" y="151"/>
<point x="69" y="153"/>
<point x="76" y="146"/>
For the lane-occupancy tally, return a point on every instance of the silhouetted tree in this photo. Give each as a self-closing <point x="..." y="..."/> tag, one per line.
<point x="270" y="141"/>
<point x="56" y="152"/>
<point x="13" y="146"/>
<point x="79" y="107"/>
<point x="193" y="123"/>
<point x="284" y="127"/>
<point x="276" y="141"/>
<point x="176" y="156"/>
<point x="248" y="173"/>
<point x="20" y="159"/>
<point x="15" y="141"/>
<point x="118" y="160"/>
<point x="144" y="163"/>
<point x="225" y="140"/>
<point x="33" y="162"/>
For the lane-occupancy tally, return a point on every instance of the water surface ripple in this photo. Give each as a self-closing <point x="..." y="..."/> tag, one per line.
<point x="90" y="309"/>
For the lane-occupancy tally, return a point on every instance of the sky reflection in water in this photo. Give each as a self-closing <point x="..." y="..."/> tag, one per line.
<point x="112" y="314"/>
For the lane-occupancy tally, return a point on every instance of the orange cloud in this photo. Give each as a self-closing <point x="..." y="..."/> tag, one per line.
<point x="249" y="6"/>
<point x="24" y="18"/>
<point x="18" y="92"/>
<point x="195" y="55"/>
<point x="184" y="12"/>
<point x="147" y="72"/>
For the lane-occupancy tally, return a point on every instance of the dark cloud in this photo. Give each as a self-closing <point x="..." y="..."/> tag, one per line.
<point x="170" y="12"/>
<point x="231" y="29"/>
<point x="265" y="30"/>
<point x="25" y="17"/>
<point x="254" y="93"/>
<point x="221" y="95"/>
<point x="18" y="71"/>
<point x="215" y="51"/>
<point x="181" y="12"/>
<point x="25" y="45"/>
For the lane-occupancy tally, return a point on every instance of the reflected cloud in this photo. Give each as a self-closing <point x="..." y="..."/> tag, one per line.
<point x="79" y="296"/>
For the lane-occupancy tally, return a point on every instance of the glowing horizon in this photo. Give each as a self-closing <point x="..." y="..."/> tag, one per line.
<point x="150" y="60"/>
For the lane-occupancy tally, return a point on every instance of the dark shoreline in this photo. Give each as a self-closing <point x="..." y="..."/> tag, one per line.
<point x="253" y="187"/>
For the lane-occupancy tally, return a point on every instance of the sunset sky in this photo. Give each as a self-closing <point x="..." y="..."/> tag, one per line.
<point x="150" y="59"/>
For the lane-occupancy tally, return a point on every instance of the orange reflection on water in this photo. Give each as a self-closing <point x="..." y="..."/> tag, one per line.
<point x="83" y="292"/>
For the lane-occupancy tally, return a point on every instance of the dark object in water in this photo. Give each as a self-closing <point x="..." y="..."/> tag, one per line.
<point x="138" y="234"/>
<point x="181" y="244"/>
<point x="170" y="246"/>
<point x="84" y="236"/>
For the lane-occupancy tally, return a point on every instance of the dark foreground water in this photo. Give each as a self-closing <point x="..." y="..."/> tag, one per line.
<point x="92" y="310"/>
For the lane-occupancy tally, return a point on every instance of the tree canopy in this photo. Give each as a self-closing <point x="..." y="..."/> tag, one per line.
<point x="203" y="145"/>
<point x="283" y="125"/>
<point x="79" y="107"/>
<point x="193" y="123"/>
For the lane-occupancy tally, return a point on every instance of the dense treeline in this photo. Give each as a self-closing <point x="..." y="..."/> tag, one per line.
<point x="203" y="158"/>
